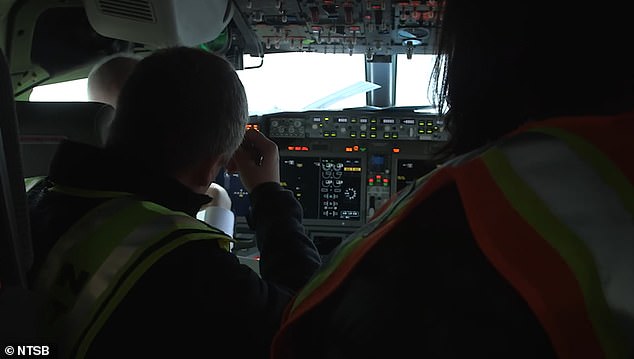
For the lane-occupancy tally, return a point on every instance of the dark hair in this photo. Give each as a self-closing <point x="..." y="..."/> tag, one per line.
<point x="503" y="63"/>
<point x="179" y="106"/>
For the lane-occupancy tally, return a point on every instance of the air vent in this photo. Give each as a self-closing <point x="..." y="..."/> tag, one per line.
<point x="139" y="10"/>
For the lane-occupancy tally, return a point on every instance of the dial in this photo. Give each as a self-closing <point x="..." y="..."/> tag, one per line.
<point x="350" y="193"/>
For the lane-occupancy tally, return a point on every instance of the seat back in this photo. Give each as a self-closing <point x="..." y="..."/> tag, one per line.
<point x="43" y="125"/>
<point x="17" y="302"/>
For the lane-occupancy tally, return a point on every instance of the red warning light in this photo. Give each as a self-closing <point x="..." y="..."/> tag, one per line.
<point x="396" y="150"/>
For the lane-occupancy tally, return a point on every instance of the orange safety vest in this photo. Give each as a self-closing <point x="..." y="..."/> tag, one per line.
<point x="551" y="206"/>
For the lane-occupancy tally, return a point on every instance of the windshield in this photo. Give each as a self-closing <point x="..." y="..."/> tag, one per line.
<point x="298" y="81"/>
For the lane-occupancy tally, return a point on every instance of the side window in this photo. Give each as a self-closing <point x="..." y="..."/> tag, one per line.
<point x="74" y="90"/>
<point x="412" y="79"/>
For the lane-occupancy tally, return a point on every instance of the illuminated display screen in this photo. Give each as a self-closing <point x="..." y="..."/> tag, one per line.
<point x="327" y="187"/>
<point x="409" y="170"/>
<point x="239" y="196"/>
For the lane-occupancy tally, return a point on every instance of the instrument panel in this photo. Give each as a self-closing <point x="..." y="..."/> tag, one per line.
<point x="342" y="166"/>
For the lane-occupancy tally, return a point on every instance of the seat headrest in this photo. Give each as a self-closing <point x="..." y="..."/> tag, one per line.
<point x="43" y="125"/>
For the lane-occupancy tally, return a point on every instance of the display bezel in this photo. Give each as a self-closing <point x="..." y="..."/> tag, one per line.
<point x="362" y="189"/>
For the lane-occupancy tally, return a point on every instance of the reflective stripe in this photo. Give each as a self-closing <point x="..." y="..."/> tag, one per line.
<point x="397" y="207"/>
<point x="609" y="172"/>
<point x="592" y="210"/>
<point x="528" y="262"/>
<point x="100" y="217"/>
<point x="570" y="222"/>
<point x="108" y="251"/>
<point x="352" y="250"/>
<point x="30" y="182"/>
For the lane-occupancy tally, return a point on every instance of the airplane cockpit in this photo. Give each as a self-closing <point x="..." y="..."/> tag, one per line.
<point x="362" y="111"/>
<point x="340" y="86"/>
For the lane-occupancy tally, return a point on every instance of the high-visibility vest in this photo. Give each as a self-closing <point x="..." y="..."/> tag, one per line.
<point x="551" y="206"/>
<point x="98" y="260"/>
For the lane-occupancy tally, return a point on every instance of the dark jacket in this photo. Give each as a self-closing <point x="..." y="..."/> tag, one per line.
<point x="197" y="300"/>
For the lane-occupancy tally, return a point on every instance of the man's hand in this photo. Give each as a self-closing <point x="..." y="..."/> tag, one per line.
<point x="257" y="160"/>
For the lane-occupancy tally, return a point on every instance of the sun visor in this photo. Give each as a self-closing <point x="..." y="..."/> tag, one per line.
<point x="160" y="22"/>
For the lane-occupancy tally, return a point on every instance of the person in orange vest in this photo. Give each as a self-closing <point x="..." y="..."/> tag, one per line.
<point x="520" y="245"/>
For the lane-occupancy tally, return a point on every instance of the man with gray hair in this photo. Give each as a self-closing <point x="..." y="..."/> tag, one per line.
<point x="124" y="263"/>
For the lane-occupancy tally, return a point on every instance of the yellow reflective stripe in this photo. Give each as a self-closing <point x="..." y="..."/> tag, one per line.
<point x="608" y="171"/>
<point x="30" y="182"/>
<point x="91" y="254"/>
<point x="356" y="239"/>
<point x="132" y="226"/>
<point x="116" y="295"/>
<point x="87" y="193"/>
<point x="102" y="216"/>
<point x="573" y="251"/>
<point x="223" y="242"/>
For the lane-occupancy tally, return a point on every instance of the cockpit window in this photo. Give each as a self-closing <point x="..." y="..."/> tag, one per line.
<point x="305" y="81"/>
<point x="412" y="79"/>
<point x="322" y="81"/>
<point x="74" y="90"/>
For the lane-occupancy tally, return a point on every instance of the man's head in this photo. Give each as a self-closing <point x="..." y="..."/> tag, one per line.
<point x="108" y="76"/>
<point x="182" y="110"/>
<point x="506" y="63"/>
